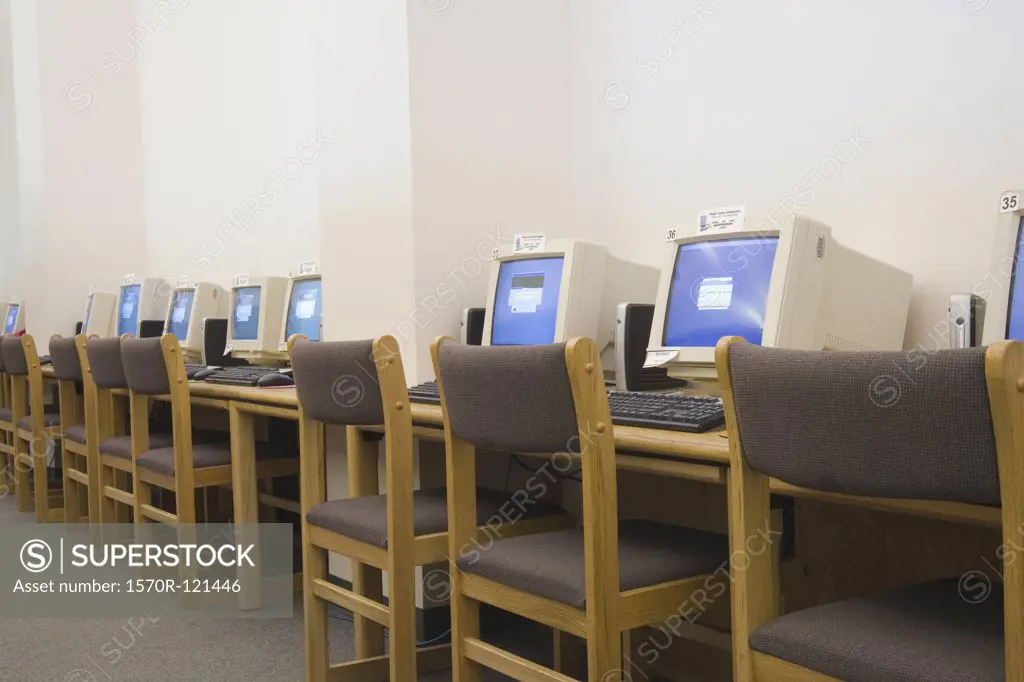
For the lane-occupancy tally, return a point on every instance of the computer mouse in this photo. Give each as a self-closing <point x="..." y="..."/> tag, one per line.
<point x="204" y="373"/>
<point x="275" y="379"/>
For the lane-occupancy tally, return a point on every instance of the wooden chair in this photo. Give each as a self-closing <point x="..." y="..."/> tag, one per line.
<point x="954" y="435"/>
<point x="155" y="367"/>
<point x="596" y="582"/>
<point x="37" y="430"/>
<point x="359" y="383"/>
<point x="108" y="443"/>
<point x="67" y="370"/>
<point x="7" y="478"/>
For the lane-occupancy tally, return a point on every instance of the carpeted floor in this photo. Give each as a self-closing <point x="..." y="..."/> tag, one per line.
<point x="109" y="650"/>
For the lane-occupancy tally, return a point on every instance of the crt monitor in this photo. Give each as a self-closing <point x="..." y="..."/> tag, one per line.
<point x="303" y="314"/>
<point x="789" y="286"/>
<point x="189" y="306"/>
<point x="139" y="300"/>
<point x="1003" y="285"/>
<point x="99" y="314"/>
<point x="14" y="317"/>
<point x="566" y="289"/>
<point x="255" y="312"/>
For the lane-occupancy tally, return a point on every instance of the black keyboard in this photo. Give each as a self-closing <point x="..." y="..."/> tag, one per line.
<point x="241" y="376"/>
<point x="425" y="393"/>
<point x="668" y="411"/>
<point x="191" y="369"/>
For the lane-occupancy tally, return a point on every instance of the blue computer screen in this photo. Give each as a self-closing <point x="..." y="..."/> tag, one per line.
<point x="719" y="288"/>
<point x="1015" y="313"/>
<point x="12" y="318"/>
<point x="246" y="315"/>
<point x="526" y="301"/>
<point x="128" y="313"/>
<point x="181" y="311"/>
<point x="304" y="308"/>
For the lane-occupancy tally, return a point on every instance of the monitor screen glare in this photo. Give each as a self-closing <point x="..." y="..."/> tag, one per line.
<point x="526" y="301"/>
<point x="246" y="315"/>
<point x="181" y="311"/>
<point x="12" y="319"/>
<point x="128" y="314"/>
<point x="304" y="310"/>
<point x="719" y="288"/>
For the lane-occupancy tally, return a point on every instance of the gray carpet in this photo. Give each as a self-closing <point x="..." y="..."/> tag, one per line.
<point x="108" y="650"/>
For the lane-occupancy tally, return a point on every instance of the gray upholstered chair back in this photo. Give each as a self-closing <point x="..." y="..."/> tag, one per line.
<point x="337" y="382"/>
<point x="15" y="362"/>
<point x="3" y="366"/>
<point x="144" y="366"/>
<point x="64" y="358"/>
<point x="881" y="424"/>
<point x="509" y="398"/>
<point x="105" y="363"/>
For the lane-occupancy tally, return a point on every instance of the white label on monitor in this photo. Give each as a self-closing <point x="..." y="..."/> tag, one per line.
<point x="242" y="279"/>
<point x="529" y="242"/>
<point x="129" y="279"/>
<point x="183" y="281"/>
<point x="1009" y="202"/>
<point x="243" y="311"/>
<point x="725" y="219"/>
<point x="307" y="267"/>
<point x="305" y="309"/>
<point x="657" y="358"/>
<point x="714" y="293"/>
<point x="13" y="299"/>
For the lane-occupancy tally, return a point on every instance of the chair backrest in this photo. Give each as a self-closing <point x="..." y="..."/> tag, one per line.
<point x="15" y="362"/>
<point x="509" y="398"/>
<point x="337" y="381"/>
<point x="880" y="424"/>
<point x="144" y="365"/>
<point x="64" y="359"/>
<point x="105" y="363"/>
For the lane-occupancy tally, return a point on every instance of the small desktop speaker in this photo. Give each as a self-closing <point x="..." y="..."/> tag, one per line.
<point x="966" y="320"/>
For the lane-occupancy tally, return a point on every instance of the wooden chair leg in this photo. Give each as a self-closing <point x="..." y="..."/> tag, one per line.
<point x="314" y="567"/>
<point x="602" y="660"/>
<point x="402" y="633"/>
<point x="22" y="478"/>
<point x="123" y="513"/>
<point x="465" y="625"/>
<point x="369" y="635"/>
<point x="72" y="501"/>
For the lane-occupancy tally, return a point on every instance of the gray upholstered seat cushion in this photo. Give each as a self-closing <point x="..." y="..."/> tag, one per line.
<point x="206" y="454"/>
<point x="366" y="519"/>
<point x="553" y="564"/>
<point x="121" y="446"/>
<point x="76" y="433"/>
<point x="927" y="633"/>
<point x="49" y="419"/>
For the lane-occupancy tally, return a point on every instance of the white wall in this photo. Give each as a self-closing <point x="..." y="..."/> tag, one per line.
<point x="231" y="144"/>
<point x="739" y="105"/>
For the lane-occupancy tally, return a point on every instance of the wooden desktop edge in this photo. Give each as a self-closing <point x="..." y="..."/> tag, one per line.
<point x="692" y="456"/>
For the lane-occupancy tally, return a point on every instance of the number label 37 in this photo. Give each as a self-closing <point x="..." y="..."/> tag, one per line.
<point x="1010" y="201"/>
